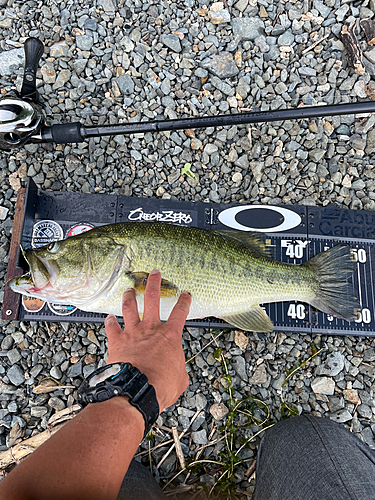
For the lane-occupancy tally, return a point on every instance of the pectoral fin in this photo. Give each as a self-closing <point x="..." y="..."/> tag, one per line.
<point x="167" y="288"/>
<point x="255" y="320"/>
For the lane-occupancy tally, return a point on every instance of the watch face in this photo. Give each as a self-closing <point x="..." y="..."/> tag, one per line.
<point x="107" y="372"/>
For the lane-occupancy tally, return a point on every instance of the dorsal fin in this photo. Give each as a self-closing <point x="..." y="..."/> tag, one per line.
<point x="252" y="239"/>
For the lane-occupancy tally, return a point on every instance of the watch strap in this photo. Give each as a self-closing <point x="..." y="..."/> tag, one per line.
<point x="130" y="382"/>
<point x="148" y="405"/>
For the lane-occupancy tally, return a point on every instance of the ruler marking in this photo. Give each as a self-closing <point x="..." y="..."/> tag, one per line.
<point x="359" y="285"/>
<point x="372" y="283"/>
<point x="365" y="282"/>
<point x="365" y="289"/>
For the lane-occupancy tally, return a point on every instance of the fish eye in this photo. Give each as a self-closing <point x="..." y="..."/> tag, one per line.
<point x="53" y="247"/>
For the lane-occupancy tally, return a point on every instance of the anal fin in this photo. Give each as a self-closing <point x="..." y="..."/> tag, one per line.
<point x="167" y="288"/>
<point x="255" y="320"/>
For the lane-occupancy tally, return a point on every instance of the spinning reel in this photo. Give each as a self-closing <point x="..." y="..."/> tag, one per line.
<point x="22" y="119"/>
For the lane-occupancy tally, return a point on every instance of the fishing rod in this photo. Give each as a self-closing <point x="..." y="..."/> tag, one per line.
<point x="22" y="119"/>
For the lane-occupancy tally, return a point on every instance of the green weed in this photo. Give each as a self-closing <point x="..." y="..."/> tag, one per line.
<point x="245" y="416"/>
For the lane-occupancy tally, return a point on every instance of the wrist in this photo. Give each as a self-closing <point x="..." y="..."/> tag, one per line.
<point x="120" y="407"/>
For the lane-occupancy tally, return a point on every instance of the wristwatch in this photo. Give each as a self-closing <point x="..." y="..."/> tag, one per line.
<point x="121" y="379"/>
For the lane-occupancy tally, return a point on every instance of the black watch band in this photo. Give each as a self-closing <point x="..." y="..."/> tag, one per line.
<point x="121" y="379"/>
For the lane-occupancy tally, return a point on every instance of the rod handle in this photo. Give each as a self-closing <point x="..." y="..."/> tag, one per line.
<point x="34" y="49"/>
<point x="64" y="133"/>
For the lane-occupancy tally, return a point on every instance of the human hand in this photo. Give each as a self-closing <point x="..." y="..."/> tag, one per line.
<point x="152" y="346"/>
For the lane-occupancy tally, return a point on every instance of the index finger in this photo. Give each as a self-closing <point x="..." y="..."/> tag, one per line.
<point x="151" y="310"/>
<point x="180" y="312"/>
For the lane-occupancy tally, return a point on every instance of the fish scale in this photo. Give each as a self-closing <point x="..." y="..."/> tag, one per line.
<point x="227" y="274"/>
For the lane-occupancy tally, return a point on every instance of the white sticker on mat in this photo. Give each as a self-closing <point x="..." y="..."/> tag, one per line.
<point x="46" y="231"/>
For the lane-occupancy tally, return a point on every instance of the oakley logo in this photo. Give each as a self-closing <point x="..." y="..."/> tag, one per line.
<point x="288" y="218"/>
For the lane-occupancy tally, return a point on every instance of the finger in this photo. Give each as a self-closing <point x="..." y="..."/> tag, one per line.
<point x="112" y="328"/>
<point x="151" y="311"/>
<point x="180" y="312"/>
<point x="114" y="334"/>
<point x="130" y="309"/>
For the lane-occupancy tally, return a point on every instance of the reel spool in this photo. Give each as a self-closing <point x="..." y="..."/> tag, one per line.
<point x="19" y="121"/>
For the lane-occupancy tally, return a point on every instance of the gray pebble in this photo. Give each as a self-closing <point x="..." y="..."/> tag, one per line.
<point x="317" y="154"/>
<point x="184" y="421"/>
<point x="58" y="357"/>
<point x="259" y="376"/>
<point x="260" y="42"/>
<point x="56" y="372"/>
<point x="88" y="370"/>
<point x="239" y="365"/>
<point x="365" y="411"/>
<point x="369" y="354"/>
<point x="75" y="370"/>
<point x="286" y="38"/>
<point x="17" y="420"/>
<point x="200" y="401"/>
<point x="247" y="28"/>
<point x="56" y="403"/>
<point x="107" y="5"/>
<point x="84" y="42"/>
<point x="59" y="49"/>
<point x="214" y="196"/>
<point x="16" y="375"/>
<point x="222" y="86"/>
<point x="278" y="383"/>
<point x="11" y="60"/>
<point x="125" y="84"/>
<point x="79" y="65"/>
<point x="185" y="412"/>
<point x="307" y="71"/>
<point x="201" y="72"/>
<point x="172" y="42"/>
<point x="198" y="422"/>
<point x="3" y="212"/>
<point x="341" y="416"/>
<point x="7" y="342"/>
<point x="199" y="437"/>
<point x="333" y="365"/>
<point x="357" y="142"/>
<point x="14" y="356"/>
<point x="322" y="8"/>
<point x="323" y="385"/>
<point x="36" y="369"/>
<point x="91" y="24"/>
<point x="343" y="130"/>
<point x="12" y="407"/>
<point x="221" y="65"/>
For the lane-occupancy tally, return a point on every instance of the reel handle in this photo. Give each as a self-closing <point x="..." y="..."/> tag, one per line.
<point x="34" y="49"/>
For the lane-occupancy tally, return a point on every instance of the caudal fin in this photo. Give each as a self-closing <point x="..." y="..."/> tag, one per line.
<point x="334" y="293"/>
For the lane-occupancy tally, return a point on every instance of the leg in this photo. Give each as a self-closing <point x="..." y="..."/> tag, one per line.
<point x="311" y="458"/>
<point x="139" y="484"/>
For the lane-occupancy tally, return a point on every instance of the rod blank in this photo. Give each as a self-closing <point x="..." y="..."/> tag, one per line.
<point x="75" y="132"/>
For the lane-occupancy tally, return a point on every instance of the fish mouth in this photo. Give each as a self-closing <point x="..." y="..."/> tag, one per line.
<point x="38" y="280"/>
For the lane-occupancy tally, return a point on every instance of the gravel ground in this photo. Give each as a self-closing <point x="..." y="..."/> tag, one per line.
<point x="108" y="61"/>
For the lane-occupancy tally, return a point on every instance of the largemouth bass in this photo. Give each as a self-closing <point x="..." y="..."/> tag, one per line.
<point x="228" y="274"/>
